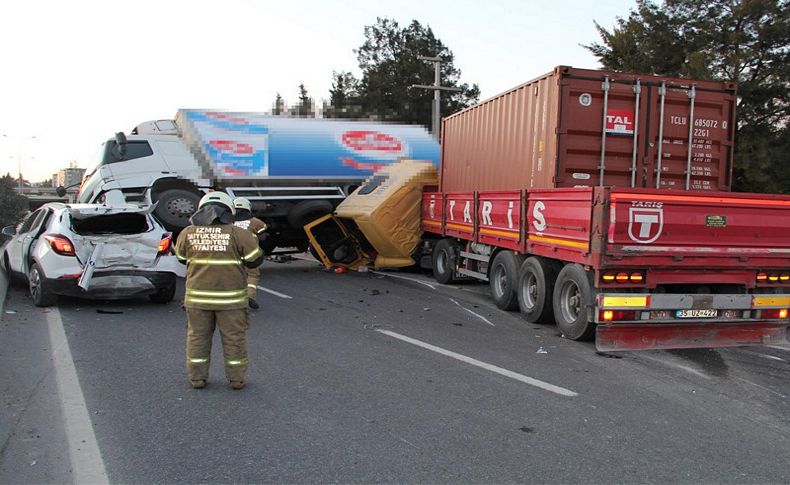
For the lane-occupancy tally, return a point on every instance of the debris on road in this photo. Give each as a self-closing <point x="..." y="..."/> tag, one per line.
<point x="109" y="312"/>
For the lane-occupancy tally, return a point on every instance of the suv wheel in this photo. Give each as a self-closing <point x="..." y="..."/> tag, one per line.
<point x="38" y="288"/>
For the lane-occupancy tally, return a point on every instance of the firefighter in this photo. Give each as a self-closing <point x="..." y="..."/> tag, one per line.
<point x="245" y="220"/>
<point x="216" y="253"/>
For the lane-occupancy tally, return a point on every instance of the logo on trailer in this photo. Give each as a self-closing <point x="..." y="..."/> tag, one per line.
<point x="373" y="144"/>
<point x="620" y="121"/>
<point x="231" y="147"/>
<point x="645" y="224"/>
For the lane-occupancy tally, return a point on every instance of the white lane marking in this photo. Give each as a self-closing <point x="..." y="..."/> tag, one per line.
<point x="275" y="293"/>
<point x="489" y="367"/>
<point x="779" y="347"/>
<point x="414" y="280"/>
<point x="86" y="462"/>
<point x="481" y="317"/>
<point x="761" y="355"/>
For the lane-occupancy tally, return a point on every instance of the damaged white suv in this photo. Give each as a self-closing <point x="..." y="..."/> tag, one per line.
<point x="92" y="250"/>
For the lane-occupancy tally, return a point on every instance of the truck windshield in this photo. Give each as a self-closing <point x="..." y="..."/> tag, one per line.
<point x="134" y="149"/>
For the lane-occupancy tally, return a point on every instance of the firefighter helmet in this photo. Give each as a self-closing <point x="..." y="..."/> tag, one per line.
<point x="217" y="198"/>
<point x="242" y="203"/>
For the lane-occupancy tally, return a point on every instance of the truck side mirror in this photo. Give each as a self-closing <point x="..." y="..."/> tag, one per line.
<point x="9" y="231"/>
<point x="120" y="139"/>
<point x="61" y="191"/>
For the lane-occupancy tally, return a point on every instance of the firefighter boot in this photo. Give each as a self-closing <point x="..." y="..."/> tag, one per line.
<point x="237" y="385"/>
<point x="198" y="383"/>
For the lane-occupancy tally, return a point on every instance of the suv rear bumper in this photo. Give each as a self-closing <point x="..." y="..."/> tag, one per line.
<point x="114" y="284"/>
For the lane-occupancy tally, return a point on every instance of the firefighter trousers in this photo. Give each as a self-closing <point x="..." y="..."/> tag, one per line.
<point x="253" y="275"/>
<point x="233" y="325"/>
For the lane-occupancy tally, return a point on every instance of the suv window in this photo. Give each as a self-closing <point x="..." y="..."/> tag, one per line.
<point x="123" y="223"/>
<point x="27" y="221"/>
<point x="134" y="149"/>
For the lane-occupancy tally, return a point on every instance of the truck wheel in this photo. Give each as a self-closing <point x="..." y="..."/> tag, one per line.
<point x="444" y="261"/>
<point x="38" y="288"/>
<point x="572" y="298"/>
<point x="175" y="207"/>
<point x="502" y="279"/>
<point x="535" y="288"/>
<point x="307" y="211"/>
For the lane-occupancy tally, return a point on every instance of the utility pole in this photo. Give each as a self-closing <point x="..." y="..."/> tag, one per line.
<point x="19" y="140"/>
<point x="437" y="88"/>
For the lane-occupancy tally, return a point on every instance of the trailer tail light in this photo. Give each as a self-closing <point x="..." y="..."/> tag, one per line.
<point x="774" y="314"/>
<point x="164" y="245"/>
<point x="624" y="277"/>
<point x="762" y="277"/>
<point x="617" y="315"/>
<point x="766" y="277"/>
<point x="60" y="244"/>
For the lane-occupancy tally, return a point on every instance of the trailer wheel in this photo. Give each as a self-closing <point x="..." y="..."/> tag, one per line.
<point x="572" y="298"/>
<point x="535" y="289"/>
<point x="175" y="207"/>
<point x="444" y="261"/>
<point x="502" y="279"/>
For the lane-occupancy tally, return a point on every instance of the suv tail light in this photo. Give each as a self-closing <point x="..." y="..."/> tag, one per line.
<point x="60" y="244"/>
<point x="164" y="245"/>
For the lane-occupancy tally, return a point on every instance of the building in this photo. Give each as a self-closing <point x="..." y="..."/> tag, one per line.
<point x="68" y="176"/>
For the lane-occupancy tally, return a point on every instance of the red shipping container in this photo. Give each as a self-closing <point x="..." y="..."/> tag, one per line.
<point x="584" y="128"/>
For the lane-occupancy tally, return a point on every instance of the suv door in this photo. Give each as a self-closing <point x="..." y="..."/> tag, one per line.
<point x="37" y="228"/>
<point x="20" y="241"/>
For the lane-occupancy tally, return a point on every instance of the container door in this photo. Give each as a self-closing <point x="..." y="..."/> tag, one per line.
<point x="600" y="139"/>
<point x="679" y="114"/>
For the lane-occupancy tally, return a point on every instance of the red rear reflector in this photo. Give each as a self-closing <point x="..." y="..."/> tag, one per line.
<point x="636" y="277"/>
<point x="622" y="277"/>
<point x="762" y="276"/>
<point x="60" y="244"/>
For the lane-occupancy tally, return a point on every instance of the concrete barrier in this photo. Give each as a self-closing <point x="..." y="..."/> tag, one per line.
<point x="3" y="289"/>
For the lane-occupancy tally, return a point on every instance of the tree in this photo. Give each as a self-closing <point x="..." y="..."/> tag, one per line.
<point x="343" y="97"/>
<point x="278" y="107"/>
<point x="746" y="41"/>
<point x="305" y="107"/>
<point x="12" y="204"/>
<point x="389" y="62"/>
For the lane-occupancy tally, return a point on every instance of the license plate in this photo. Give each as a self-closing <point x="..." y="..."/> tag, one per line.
<point x="696" y="313"/>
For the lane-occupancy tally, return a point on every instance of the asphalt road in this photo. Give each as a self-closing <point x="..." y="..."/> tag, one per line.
<point x="365" y="377"/>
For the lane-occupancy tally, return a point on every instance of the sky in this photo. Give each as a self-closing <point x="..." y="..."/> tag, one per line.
<point x="75" y="72"/>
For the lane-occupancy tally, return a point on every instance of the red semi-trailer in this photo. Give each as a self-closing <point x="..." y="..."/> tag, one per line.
<point x="599" y="201"/>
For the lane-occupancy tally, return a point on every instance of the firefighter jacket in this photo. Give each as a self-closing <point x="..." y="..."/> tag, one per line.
<point x="253" y="224"/>
<point x="217" y="256"/>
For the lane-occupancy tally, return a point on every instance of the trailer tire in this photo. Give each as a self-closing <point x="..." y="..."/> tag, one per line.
<point x="573" y="296"/>
<point x="444" y="258"/>
<point x="307" y="211"/>
<point x="175" y="206"/>
<point x="535" y="289"/>
<point x="503" y="279"/>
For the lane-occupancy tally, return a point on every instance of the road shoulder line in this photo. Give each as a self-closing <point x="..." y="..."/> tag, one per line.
<point x="86" y="462"/>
